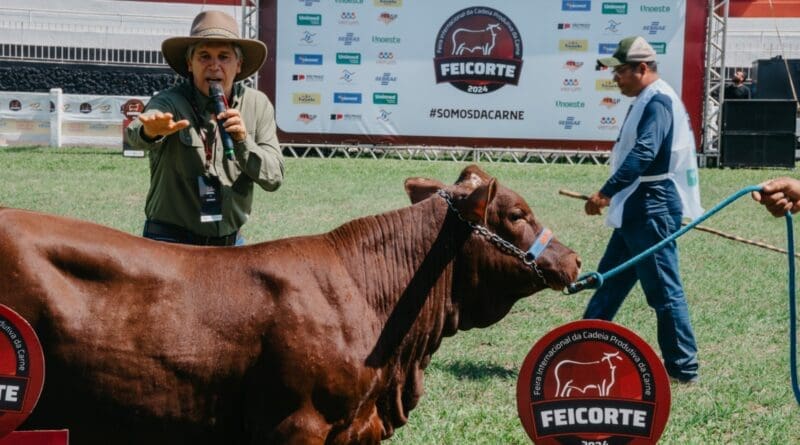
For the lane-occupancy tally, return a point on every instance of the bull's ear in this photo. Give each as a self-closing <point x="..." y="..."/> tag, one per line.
<point x="419" y="189"/>
<point x="472" y="176"/>
<point x="475" y="204"/>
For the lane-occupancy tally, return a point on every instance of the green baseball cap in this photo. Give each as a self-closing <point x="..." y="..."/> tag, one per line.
<point x="630" y="50"/>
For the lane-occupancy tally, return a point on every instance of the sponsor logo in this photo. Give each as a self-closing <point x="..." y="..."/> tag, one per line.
<point x="608" y="123"/>
<point x="348" y="76"/>
<point x="388" y="3"/>
<point x="351" y="2"/>
<point x="346" y="98"/>
<point x="573" y="65"/>
<point x="605" y="85"/>
<point x="607" y="48"/>
<point x="308" y="77"/>
<point x="569" y="123"/>
<point x="306" y="98"/>
<point x="345" y="117"/>
<point x="348" y="18"/>
<point x="593" y="379"/>
<point x="478" y="50"/>
<point x="386" y="17"/>
<point x="654" y="9"/>
<point x="570" y="104"/>
<point x="570" y="85"/>
<point x="22" y="373"/>
<point x="309" y="19"/>
<point x="386" y="58"/>
<point x="383" y="115"/>
<point x="131" y="108"/>
<point x="348" y="39"/>
<point x="653" y="28"/>
<point x="386" y="40"/>
<point x="306" y="118"/>
<point x="610" y="102"/>
<point x="308" y="39"/>
<point x="612" y="27"/>
<point x="574" y="26"/>
<point x="581" y="45"/>
<point x="14" y="105"/>
<point x="576" y="5"/>
<point x="348" y="58"/>
<point x="308" y="59"/>
<point x="384" y="98"/>
<point x="659" y="47"/>
<point x="615" y="8"/>
<point x="386" y="78"/>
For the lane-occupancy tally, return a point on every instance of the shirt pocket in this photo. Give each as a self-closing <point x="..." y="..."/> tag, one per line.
<point x="190" y="155"/>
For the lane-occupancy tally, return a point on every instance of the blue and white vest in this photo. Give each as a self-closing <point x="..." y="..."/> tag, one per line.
<point x="683" y="159"/>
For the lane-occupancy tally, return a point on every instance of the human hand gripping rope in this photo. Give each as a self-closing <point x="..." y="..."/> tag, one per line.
<point x="593" y="280"/>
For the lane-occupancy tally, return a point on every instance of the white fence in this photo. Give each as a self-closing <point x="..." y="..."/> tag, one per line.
<point x="55" y="119"/>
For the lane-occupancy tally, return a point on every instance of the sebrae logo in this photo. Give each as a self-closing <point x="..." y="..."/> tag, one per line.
<point x="593" y="381"/>
<point x="478" y="50"/>
<point x="569" y="123"/>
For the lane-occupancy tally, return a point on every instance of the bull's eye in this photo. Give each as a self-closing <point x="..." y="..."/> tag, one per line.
<point x="516" y="215"/>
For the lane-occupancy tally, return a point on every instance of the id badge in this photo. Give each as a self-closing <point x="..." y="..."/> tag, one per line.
<point x="210" y="192"/>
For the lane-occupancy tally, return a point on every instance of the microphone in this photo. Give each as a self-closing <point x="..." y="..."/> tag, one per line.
<point x="220" y="105"/>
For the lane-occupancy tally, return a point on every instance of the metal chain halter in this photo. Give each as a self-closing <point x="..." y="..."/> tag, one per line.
<point x="493" y="238"/>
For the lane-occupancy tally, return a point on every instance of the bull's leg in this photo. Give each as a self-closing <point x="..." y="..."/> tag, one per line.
<point x="305" y="426"/>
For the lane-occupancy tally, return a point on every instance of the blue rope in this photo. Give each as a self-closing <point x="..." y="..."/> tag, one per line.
<point x="792" y="309"/>
<point x="593" y="280"/>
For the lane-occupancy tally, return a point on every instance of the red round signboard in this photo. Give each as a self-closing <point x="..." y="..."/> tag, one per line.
<point x="21" y="370"/>
<point x="593" y="382"/>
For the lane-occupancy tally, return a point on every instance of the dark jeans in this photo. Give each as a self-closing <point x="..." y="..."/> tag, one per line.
<point x="661" y="283"/>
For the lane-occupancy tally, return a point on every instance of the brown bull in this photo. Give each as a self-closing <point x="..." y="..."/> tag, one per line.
<point x="306" y="340"/>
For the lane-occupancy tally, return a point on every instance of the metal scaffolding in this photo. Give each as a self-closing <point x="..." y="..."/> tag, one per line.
<point x="716" y="34"/>
<point x="250" y="31"/>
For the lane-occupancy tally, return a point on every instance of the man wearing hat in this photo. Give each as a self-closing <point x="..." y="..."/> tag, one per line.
<point x="653" y="184"/>
<point x="198" y="194"/>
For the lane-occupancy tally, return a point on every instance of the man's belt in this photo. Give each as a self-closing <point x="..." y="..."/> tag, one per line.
<point x="176" y="234"/>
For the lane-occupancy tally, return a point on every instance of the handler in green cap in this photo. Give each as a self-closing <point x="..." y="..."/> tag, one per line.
<point x="653" y="184"/>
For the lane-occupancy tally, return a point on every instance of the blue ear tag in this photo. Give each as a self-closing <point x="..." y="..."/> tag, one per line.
<point x="542" y="241"/>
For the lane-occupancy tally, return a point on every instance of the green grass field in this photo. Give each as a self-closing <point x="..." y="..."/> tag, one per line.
<point x="737" y="293"/>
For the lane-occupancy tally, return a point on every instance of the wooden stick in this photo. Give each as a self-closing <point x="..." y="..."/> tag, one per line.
<point x="701" y="228"/>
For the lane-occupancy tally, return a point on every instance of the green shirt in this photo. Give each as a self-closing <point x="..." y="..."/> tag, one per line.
<point x="178" y="160"/>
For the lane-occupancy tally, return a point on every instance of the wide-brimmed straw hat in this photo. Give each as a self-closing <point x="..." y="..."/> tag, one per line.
<point x="214" y="26"/>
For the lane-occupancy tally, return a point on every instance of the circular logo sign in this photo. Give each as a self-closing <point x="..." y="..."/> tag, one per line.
<point x="478" y="50"/>
<point x="593" y="382"/>
<point x="132" y="108"/>
<point x="21" y="370"/>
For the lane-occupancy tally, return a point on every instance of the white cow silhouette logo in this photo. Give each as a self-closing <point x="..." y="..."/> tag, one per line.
<point x="473" y="40"/>
<point x="584" y="376"/>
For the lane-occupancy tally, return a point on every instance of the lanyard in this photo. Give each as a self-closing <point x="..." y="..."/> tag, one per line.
<point x="203" y="131"/>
